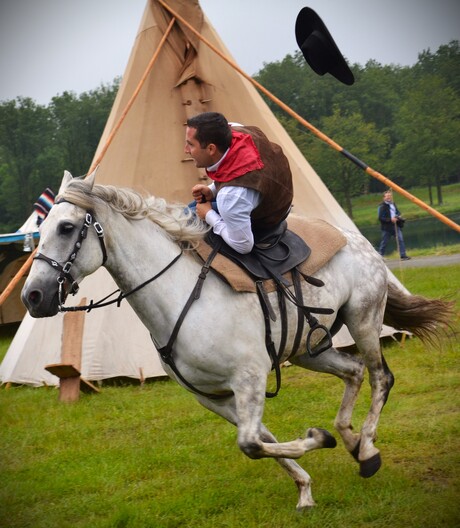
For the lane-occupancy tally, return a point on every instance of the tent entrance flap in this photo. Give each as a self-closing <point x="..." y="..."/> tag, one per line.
<point x="195" y="97"/>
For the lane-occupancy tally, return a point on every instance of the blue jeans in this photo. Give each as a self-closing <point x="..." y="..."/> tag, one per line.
<point x="192" y="206"/>
<point x="386" y="235"/>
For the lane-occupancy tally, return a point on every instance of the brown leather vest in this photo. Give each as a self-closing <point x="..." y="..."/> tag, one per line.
<point x="274" y="181"/>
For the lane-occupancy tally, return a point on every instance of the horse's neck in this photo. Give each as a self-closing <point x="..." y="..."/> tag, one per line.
<point x="138" y="251"/>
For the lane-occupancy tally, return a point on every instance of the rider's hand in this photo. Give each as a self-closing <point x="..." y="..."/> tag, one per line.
<point x="202" y="209"/>
<point x="199" y="191"/>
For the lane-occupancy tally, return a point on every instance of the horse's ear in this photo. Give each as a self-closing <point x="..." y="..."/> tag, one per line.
<point x="91" y="177"/>
<point x="65" y="181"/>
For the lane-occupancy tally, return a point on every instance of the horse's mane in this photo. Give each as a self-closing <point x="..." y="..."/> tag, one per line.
<point x="175" y="219"/>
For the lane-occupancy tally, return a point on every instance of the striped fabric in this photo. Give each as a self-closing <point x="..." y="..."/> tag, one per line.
<point x="43" y="205"/>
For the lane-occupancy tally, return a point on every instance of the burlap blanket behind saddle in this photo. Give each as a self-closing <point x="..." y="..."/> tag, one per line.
<point x="323" y="239"/>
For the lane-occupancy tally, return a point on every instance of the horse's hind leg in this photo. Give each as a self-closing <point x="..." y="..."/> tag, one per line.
<point x="381" y="381"/>
<point x="350" y="370"/>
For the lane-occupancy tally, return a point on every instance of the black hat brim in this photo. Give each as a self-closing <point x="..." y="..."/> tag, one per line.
<point x="318" y="47"/>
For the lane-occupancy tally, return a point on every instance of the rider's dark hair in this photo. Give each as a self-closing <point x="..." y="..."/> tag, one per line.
<point x="211" y="127"/>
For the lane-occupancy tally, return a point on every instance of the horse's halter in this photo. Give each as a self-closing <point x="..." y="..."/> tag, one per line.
<point x="64" y="271"/>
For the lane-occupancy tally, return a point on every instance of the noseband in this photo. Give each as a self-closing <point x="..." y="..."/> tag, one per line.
<point x="64" y="271"/>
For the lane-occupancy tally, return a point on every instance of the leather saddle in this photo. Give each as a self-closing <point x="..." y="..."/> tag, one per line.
<point x="275" y="252"/>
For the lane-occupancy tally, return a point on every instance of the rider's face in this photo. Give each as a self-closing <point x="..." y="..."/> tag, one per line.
<point x="203" y="156"/>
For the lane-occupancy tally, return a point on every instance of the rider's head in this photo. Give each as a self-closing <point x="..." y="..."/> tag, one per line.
<point x="207" y="137"/>
<point x="211" y="127"/>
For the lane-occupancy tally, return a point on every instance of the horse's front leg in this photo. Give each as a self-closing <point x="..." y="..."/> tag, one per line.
<point x="249" y="400"/>
<point x="301" y="478"/>
<point x="245" y="411"/>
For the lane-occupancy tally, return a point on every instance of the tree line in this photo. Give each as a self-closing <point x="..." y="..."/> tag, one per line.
<point x="402" y="121"/>
<point x="38" y="142"/>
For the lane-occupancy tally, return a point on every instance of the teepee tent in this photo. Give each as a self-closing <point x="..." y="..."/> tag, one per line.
<point x="147" y="154"/>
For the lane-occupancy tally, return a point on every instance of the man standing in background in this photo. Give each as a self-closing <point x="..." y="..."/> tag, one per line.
<point x="391" y="224"/>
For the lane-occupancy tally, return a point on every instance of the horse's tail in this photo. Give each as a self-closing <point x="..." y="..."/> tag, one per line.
<point x="428" y="319"/>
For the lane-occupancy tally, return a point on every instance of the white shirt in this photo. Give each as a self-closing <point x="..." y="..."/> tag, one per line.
<point x="233" y="222"/>
<point x="392" y="209"/>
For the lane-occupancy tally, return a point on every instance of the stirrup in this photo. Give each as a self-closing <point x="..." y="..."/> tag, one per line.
<point x="323" y="345"/>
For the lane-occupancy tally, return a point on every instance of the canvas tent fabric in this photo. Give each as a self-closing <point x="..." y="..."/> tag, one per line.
<point x="188" y="78"/>
<point x="147" y="154"/>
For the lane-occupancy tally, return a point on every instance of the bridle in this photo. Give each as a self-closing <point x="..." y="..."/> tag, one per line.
<point x="65" y="275"/>
<point x="64" y="270"/>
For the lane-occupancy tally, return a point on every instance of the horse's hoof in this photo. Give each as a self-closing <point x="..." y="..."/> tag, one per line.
<point x="369" y="467"/>
<point x="302" y="508"/>
<point x="327" y="440"/>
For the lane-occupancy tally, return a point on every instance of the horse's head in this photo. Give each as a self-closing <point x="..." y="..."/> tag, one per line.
<point x="69" y="250"/>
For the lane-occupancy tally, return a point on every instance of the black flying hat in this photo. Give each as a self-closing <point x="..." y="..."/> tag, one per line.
<point x="318" y="47"/>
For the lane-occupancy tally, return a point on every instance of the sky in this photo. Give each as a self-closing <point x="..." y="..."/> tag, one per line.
<point x="51" y="46"/>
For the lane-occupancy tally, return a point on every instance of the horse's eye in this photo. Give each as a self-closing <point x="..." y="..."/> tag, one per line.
<point x="66" y="228"/>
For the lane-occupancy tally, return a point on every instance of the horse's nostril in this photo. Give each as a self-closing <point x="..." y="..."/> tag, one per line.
<point x="35" y="297"/>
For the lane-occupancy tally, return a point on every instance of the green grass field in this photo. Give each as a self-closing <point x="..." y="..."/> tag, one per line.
<point x="150" y="456"/>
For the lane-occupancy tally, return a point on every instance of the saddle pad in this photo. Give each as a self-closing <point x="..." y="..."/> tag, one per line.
<point x="323" y="238"/>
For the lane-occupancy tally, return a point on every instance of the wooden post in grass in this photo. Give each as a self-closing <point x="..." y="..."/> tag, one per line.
<point x="69" y="370"/>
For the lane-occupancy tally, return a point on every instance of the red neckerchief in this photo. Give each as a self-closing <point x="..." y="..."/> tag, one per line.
<point x="243" y="157"/>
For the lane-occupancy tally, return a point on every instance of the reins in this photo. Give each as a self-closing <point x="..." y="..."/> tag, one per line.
<point x="121" y="296"/>
<point x="165" y="352"/>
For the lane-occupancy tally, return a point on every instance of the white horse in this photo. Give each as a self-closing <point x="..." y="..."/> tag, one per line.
<point x="220" y="347"/>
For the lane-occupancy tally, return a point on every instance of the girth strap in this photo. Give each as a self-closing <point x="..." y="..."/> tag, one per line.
<point x="166" y="352"/>
<point x="300" y="315"/>
<point x="284" y="323"/>
<point x="266" y="308"/>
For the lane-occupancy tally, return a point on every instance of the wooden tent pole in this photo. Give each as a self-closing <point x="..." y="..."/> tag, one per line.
<point x="25" y="267"/>
<point x="315" y="131"/>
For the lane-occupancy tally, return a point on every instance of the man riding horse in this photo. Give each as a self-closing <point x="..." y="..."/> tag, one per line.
<point x="252" y="181"/>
